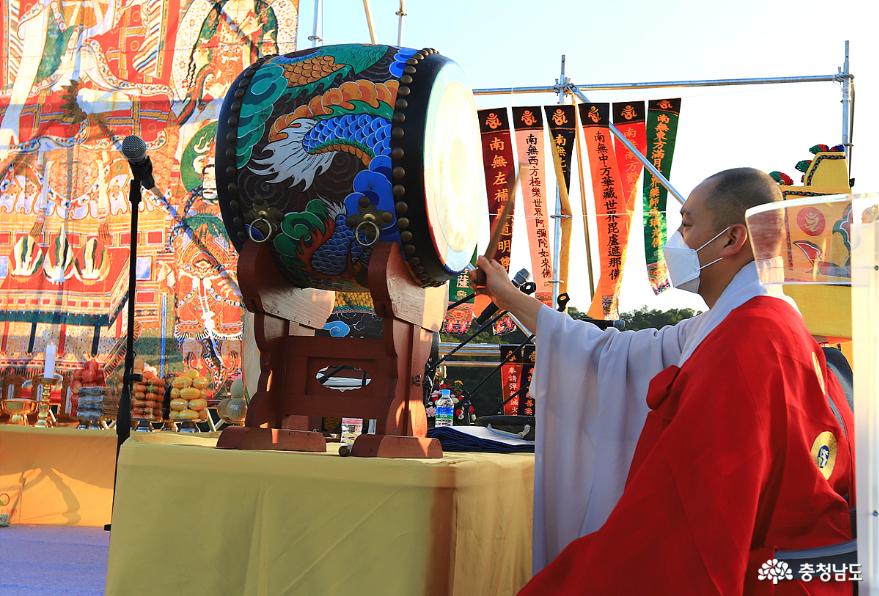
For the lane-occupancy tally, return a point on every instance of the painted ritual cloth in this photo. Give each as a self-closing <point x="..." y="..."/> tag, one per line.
<point x="662" y="130"/>
<point x="75" y="78"/>
<point x="741" y="455"/>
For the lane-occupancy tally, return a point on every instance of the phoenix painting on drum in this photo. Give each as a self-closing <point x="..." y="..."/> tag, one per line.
<point x="76" y="76"/>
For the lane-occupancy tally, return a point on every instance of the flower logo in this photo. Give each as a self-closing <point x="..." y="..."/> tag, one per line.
<point x="775" y="571"/>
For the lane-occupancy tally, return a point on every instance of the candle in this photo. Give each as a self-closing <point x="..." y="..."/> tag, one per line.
<point x="49" y="370"/>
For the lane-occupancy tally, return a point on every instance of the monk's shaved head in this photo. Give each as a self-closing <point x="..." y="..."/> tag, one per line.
<point x="732" y="192"/>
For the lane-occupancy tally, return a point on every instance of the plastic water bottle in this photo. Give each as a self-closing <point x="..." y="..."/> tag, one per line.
<point x="445" y="409"/>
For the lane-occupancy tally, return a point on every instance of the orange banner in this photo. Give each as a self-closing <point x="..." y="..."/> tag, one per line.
<point x="528" y="123"/>
<point x="612" y="217"/>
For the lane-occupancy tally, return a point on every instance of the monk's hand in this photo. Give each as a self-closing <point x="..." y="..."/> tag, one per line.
<point x="494" y="282"/>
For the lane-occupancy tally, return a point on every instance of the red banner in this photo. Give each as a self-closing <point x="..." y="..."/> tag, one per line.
<point x="497" y="160"/>
<point x="628" y="117"/>
<point x="528" y="124"/>
<point x="516" y="380"/>
<point x="612" y="218"/>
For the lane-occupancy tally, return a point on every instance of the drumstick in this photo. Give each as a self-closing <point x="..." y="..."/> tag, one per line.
<point x="498" y="227"/>
<point x="501" y="220"/>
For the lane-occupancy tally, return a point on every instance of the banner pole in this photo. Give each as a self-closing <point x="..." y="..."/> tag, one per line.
<point x="368" y="12"/>
<point x="562" y="83"/>
<point x="583" y="204"/>
<point x="634" y="150"/>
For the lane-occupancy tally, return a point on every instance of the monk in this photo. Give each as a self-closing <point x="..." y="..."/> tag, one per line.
<point x="679" y="460"/>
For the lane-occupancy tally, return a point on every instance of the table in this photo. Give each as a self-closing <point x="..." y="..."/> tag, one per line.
<point x="209" y="521"/>
<point x="64" y="476"/>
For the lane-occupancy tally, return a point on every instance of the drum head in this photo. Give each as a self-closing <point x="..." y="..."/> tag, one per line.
<point x="447" y="191"/>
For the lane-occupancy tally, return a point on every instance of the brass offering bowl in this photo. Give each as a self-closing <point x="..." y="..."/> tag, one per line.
<point x="18" y="409"/>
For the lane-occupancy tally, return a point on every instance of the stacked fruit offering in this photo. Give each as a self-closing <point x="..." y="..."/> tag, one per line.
<point x="147" y="396"/>
<point x="93" y="400"/>
<point x="189" y="397"/>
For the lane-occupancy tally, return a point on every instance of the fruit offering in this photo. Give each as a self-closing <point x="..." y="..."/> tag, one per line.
<point x="90" y="375"/>
<point x="189" y="397"/>
<point x="94" y="404"/>
<point x="147" y="395"/>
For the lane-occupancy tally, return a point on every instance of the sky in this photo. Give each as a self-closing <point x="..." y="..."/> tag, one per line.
<point x="515" y="43"/>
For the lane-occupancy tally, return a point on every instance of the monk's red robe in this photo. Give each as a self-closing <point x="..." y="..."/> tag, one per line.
<point x="726" y="471"/>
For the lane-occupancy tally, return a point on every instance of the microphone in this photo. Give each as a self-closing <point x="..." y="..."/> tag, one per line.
<point x="520" y="278"/>
<point x="135" y="151"/>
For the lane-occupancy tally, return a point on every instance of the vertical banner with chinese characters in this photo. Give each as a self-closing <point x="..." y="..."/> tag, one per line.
<point x="612" y="219"/>
<point x="500" y="172"/>
<point x="662" y="128"/>
<point x="528" y="123"/>
<point x="628" y="117"/>
<point x="562" y="122"/>
<point x="459" y="318"/>
<point x="497" y="160"/>
<point x="516" y="380"/>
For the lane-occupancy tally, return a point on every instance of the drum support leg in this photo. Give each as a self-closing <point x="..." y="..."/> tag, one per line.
<point x="290" y="401"/>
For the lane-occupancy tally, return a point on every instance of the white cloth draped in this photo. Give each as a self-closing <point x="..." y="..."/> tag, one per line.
<point x="590" y="387"/>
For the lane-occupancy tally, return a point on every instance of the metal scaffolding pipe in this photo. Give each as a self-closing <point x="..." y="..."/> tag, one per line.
<point x="833" y="78"/>
<point x="846" y="98"/>
<point x="315" y="37"/>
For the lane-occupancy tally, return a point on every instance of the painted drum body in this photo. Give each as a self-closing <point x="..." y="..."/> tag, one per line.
<point x="325" y="151"/>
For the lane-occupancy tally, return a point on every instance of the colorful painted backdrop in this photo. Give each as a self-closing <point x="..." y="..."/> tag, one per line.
<point x="77" y="76"/>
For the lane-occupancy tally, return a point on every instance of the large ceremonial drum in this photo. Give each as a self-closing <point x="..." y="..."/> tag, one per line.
<point x="324" y="152"/>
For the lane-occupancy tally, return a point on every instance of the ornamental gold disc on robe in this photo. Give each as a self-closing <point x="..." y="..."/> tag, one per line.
<point x="824" y="453"/>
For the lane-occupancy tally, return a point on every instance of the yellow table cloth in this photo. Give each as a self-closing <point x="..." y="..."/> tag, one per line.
<point x="64" y="476"/>
<point x="194" y="520"/>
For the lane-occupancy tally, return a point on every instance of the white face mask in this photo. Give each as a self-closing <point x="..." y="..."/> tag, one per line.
<point x="683" y="261"/>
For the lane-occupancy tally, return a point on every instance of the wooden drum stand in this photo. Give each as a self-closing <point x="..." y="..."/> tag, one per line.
<point x="290" y="401"/>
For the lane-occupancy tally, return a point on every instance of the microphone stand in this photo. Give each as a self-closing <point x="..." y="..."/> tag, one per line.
<point x="525" y="288"/>
<point x="562" y="303"/>
<point x="123" y="417"/>
<point x="472" y="336"/>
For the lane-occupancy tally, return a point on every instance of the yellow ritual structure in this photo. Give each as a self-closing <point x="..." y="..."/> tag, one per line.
<point x="819" y="248"/>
